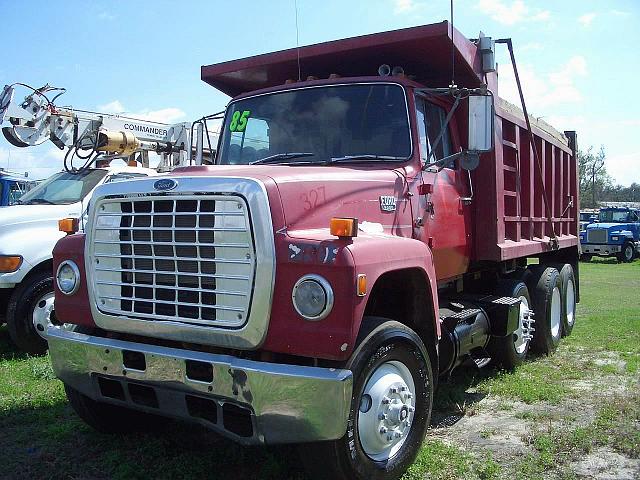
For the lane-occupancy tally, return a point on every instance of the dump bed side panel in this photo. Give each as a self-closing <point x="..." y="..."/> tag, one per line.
<point x="511" y="219"/>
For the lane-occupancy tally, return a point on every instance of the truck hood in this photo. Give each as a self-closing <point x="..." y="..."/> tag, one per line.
<point x="311" y="195"/>
<point x="612" y="227"/>
<point x="17" y="215"/>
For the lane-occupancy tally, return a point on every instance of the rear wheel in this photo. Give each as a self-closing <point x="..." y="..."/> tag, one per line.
<point x="546" y="292"/>
<point x="568" y="283"/>
<point x="510" y="351"/>
<point x="390" y="409"/>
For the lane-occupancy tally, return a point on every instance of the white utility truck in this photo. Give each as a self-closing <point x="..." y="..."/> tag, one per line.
<point x="29" y="230"/>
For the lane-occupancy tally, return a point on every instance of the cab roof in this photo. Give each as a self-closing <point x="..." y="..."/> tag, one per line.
<point x="423" y="52"/>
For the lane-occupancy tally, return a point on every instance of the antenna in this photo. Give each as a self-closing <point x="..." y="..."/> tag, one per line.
<point x="453" y="50"/>
<point x="295" y="5"/>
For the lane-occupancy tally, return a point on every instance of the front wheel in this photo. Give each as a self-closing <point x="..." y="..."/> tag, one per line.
<point x="627" y="253"/>
<point x="390" y="409"/>
<point x="29" y="312"/>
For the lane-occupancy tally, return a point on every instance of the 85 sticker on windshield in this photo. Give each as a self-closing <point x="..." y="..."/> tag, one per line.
<point x="239" y="120"/>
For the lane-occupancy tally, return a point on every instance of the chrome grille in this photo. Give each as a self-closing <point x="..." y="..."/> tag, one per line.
<point x="597" y="235"/>
<point x="185" y="258"/>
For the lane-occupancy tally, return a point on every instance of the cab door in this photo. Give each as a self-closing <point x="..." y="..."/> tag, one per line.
<point x="444" y="212"/>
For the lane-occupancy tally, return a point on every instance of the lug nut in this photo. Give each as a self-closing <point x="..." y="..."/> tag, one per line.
<point x="383" y="430"/>
<point x="397" y="435"/>
<point x="389" y="438"/>
<point x="385" y="400"/>
<point x="409" y="395"/>
<point x="393" y="390"/>
<point x="403" y="388"/>
<point x="411" y="409"/>
<point x="382" y="416"/>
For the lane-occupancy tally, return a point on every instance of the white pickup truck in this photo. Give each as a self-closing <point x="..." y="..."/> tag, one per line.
<point x="28" y="233"/>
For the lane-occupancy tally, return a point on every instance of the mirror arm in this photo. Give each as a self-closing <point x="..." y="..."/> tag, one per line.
<point x="446" y="159"/>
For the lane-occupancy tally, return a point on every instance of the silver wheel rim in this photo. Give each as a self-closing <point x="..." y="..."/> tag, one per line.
<point x="571" y="303"/>
<point x="386" y="410"/>
<point x="41" y="315"/>
<point x="628" y="252"/>
<point x="556" y="312"/>
<point x="520" y="341"/>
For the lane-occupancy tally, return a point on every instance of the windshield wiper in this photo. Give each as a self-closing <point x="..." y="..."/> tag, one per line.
<point x="39" y="201"/>
<point x="281" y="156"/>
<point x="355" y="158"/>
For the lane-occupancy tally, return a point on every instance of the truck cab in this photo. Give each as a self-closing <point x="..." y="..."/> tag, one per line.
<point x="616" y="233"/>
<point x="28" y="233"/>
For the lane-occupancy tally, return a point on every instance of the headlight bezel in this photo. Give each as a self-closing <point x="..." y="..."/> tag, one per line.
<point x="76" y="271"/>
<point x="328" y="292"/>
<point x="615" y="238"/>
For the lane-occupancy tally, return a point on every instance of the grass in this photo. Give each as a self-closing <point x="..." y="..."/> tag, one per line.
<point x="41" y="437"/>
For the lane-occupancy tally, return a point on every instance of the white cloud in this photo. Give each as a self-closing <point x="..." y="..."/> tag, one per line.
<point x="512" y="13"/>
<point x="620" y="13"/>
<point x="544" y="91"/>
<point x="111" y="107"/>
<point x="406" y="6"/>
<point x="164" y="115"/>
<point x="39" y="162"/>
<point x="586" y="19"/>
<point x="623" y="168"/>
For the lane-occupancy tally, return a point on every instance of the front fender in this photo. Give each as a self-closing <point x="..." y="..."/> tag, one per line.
<point x="35" y="245"/>
<point x="375" y="255"/>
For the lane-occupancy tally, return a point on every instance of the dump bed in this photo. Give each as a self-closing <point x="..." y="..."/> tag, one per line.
<point x="510" y="216"/>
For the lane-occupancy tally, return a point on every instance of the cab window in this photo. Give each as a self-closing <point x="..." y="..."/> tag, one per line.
<point x="430" y="119"/>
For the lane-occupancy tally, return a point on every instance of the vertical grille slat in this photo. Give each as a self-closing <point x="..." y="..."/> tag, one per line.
<point x="188" y="258"/>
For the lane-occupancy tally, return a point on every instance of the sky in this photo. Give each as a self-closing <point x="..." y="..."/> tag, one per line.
<point x="577" y="59"/>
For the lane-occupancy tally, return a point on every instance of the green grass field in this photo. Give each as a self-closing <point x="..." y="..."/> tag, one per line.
<point x="597" y="367"/>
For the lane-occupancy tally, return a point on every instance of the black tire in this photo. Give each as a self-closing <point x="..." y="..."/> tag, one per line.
<point x="627" y="254"/>
<point x="20" y="312"/>
<point x="345" y="458"/>
<point x="503" y="350"/>
<point x="107" y="418"/>
<point x="548" y="329"/>
<point x="568" y="291"/>
<point x="585" y="257"/>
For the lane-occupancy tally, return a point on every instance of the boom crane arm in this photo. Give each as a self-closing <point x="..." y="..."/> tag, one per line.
<point x="90" y="135"/>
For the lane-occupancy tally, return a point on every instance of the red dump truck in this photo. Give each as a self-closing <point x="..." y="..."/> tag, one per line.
<point x="367" y="228"/>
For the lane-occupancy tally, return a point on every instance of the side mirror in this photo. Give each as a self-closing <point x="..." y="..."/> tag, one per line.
<point x="481" y="118"/>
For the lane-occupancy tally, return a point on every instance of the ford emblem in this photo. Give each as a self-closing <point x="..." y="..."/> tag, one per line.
<point x="165" y="184"/>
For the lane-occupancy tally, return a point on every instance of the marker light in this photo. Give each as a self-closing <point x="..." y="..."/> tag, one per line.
<point x="344" y="227"/>
<point x="10" y="263"/>
<point x="68" y="225"/>
<point x="361" y="289"/>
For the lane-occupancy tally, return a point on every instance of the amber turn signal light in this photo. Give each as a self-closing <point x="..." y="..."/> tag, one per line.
<point x="68" y="225"/>
<point x="361" y="289"/>
<point x="10" y="263"/>
<point x="344" y="227"/>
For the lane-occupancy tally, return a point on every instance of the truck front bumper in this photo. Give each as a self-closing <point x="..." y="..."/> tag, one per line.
<point x="249" y="401"/>
<point x="604" y="250"/>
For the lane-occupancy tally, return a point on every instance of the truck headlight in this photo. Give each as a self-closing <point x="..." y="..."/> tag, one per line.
<point x="68" y="277"/>
<point x="614" y="238"/>
<point x="312" y="297"/>
<point x="10" y="263"/>
<point x="582" y="236"/>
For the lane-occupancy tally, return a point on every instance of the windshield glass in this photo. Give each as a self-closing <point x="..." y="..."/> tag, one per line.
<point x="317" y="124"/>
<point x="613" y="216"/>
<point x="63" y="188"/>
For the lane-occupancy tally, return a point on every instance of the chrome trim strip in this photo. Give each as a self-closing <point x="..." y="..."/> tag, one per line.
<point x="290" y="403"/>
<point x="249" y="335"/>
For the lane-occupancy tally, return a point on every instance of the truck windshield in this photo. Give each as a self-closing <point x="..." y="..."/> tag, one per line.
<point x="360" y="122"/>
<point x="613" y="216"/>
<point x="63" y="188"/>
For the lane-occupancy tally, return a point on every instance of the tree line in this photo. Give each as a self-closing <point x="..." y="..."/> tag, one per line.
<point x="596" y="185"/>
